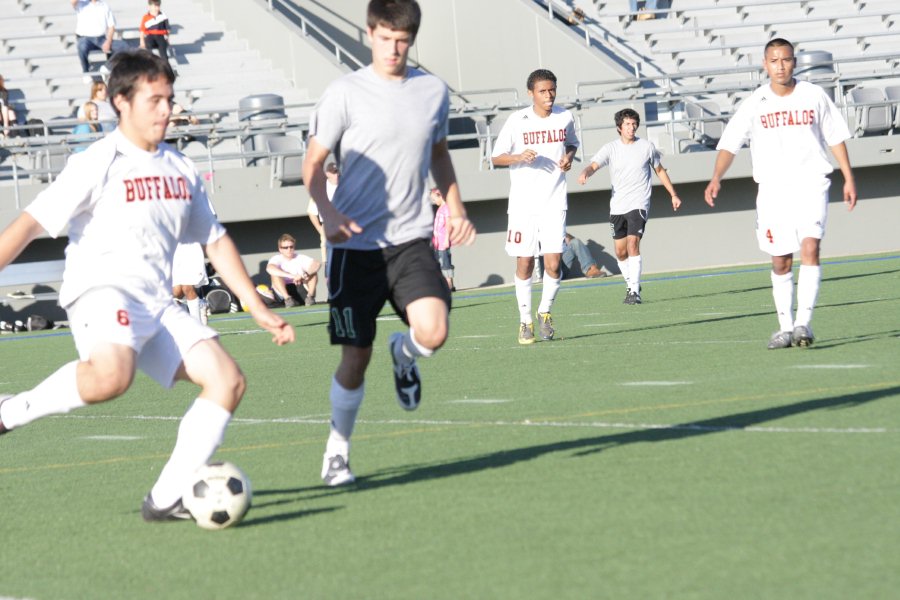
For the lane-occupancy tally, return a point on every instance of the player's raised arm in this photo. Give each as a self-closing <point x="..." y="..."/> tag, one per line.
<point x="587" y="172"/>
<point x="723" y="161"/>
<point x="224" y="256"/>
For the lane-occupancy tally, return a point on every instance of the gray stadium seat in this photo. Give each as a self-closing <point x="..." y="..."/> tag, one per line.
<point x="287" y="164"/>
<point x="873" y="113"/>
<point x="892" y="94"/>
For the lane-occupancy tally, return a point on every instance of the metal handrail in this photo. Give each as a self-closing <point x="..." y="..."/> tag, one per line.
<point x="306" y="26"/>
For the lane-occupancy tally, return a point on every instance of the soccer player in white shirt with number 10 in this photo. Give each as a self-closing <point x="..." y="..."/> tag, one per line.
<point x="538" y="145"/>
<point x="789" y="124"/>
<point x="127" y="201"/>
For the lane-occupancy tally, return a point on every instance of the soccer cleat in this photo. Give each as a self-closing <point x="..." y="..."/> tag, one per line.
<point x="780" y="339"/>
<point x="309" y="301"/>
<point x="289" y="302"/>
<point x="3" y="399"/>
<point x="526" y="333"/>
<point x="152" y="513"/>
<point x="545" y="326"/>
<point x="406" y="377"/>
<point x="803" y="336"/>
<point x="336" y="471"/>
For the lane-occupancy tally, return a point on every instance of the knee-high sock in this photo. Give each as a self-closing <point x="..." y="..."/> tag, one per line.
<point x="624" y="267"/>
<point x="193" y="307"/>
<point x="344" y="406"/>
<point x="783" y="294"/>
<point x="548" y="294"/>
<point x="199" y="435"/>
<point x="523" y="297"/>
<point x="635" y="266"/>
<point x="56" y="395"/>
<point x="808" y="281"/>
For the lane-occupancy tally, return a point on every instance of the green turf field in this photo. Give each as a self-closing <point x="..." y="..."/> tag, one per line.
<point x="654" y="451"/>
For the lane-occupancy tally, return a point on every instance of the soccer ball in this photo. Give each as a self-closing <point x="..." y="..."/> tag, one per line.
<point x="218" y="496"/>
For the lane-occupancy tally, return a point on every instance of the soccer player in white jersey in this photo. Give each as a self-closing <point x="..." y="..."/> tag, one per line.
<point x="127" y="201"/>
<point x="538" y="144"/>
<point x="387" y="124"/>
<point x="188" y="274"/>
<point x="630" y="161"/>
<point x="790" y="125"/>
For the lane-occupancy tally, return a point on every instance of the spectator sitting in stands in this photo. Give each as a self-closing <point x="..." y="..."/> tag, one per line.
<point x="155" y="30"/>
<point x="87" y="126"/>
<point x="289" y="270"/>
<point x="95" y="27"/>
<point x="105" y="112"/>
<point x="574" y="248"/>
<point x="648" y="12"/>
<point x="7" y="114"/>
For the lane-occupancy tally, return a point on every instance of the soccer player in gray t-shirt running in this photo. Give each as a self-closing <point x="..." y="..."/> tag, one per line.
<point x="388" y="124"/>
<point x="630" y="159"/>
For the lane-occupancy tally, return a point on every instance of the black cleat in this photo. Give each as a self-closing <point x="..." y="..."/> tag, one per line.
<point x="406" y="379"/>
<point x="151" y="513"/>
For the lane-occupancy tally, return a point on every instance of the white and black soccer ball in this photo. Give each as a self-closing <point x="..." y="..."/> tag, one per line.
<point x="219" y="496"/>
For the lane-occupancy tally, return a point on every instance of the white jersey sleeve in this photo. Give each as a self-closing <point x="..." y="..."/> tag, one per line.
<point x="789" y="135"/>
<point x="541" y="185"/>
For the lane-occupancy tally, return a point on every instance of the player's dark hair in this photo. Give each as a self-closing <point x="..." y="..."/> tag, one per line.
<point x="540" y="75"/>
<point x="130" y="66"/>
<point x="778" y="43"/>
<point x="396" y="15"/>
<point x="626" y="113"/>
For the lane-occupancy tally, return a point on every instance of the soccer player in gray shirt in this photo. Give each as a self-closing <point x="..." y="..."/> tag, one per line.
<point x="388" y="125"/>
<point x="630" y="160"/>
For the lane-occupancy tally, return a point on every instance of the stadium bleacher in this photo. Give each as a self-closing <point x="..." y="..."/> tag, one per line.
<point x="685" y="71"/>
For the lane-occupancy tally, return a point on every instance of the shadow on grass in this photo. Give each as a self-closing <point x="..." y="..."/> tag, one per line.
<point x="285" y="516"/>
<point x="595" y="444"/>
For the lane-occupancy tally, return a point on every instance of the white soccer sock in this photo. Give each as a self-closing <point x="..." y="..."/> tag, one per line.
<point x="410" y="349"/>
<point x="783" y="294"/>
<point x="344" y="406"/>
<point x="199" y="435"/>
<point x="523" y="297"/>
<point x="624" y="268"/>
<point x="193" y="307"/>
<point x="56" y="395"/>
<point x="808" y="281"/>
<point x="548" y="294"/>
<point x="635" y="265"/>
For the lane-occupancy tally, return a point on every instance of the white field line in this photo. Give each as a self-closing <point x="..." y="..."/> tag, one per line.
<point x="831" y="366"/>
<point x="654" y="383"/>
<point x="524" y="423"/>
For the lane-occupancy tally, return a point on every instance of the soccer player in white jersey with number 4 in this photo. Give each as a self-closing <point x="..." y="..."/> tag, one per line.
<point x="538" y="145"/>
<point x="790" y="124"/>
<point x="127" y="201"/>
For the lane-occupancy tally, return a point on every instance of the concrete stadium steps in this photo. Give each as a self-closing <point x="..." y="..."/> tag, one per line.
<point x="40" y="59"/>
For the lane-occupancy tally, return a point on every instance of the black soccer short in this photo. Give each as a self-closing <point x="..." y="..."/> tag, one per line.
<point x="360" y="281"/>
<point x="631" y="223"/>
